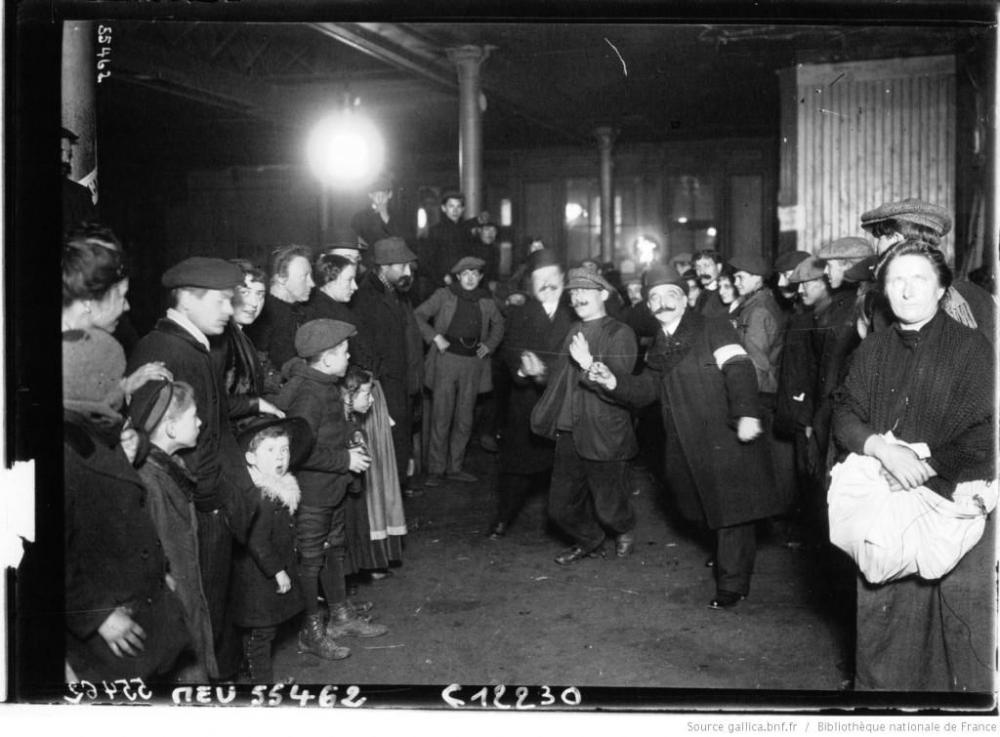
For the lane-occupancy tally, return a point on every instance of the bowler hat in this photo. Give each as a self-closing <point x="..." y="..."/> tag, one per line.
<point x="392" y="250"/>
<point x="849" y="247"/>
<point x="300" y="435"/>
<point x="751" y="263"/>
<point x="912" y="210"/>
<point x="203" y="273"/>
<point x="580" y="278"/>
<point x="468" y="262"/>
<point x="316" y="336"/>
<point x="790" y="259"/>
<point x="541" y="258"/>
<point x="658" y="275"/>
<point x="808" y="270"/>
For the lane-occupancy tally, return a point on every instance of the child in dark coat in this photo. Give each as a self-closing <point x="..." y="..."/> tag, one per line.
<point x="265" y="587"/>
<point x="313" y="393"/>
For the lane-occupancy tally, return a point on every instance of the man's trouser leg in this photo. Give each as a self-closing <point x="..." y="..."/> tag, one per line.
<point x="570" y="505"/>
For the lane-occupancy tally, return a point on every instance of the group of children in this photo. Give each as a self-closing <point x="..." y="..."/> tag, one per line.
<point x="304" y="465"/>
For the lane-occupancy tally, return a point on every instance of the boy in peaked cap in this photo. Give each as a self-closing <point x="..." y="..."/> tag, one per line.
<point x="462" y="326"/>
<point x="312" y="393"/>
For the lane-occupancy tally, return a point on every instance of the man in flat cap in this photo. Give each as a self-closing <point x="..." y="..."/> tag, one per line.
<point x="593" y="435"/>
<point x="718" y="473"/>
<point x="462" y="327"/>
<point x="388" y="341"/>
<point x="894" y="222"/>
<point x="759" y="321"/>
<point x="201" y="293"/>
<point x="537" y="326"/>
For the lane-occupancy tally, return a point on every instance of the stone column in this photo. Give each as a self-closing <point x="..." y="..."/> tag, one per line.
<point x="467" y="60"/>
<point x="79" y="93"/>
<point x="605" y="140"/>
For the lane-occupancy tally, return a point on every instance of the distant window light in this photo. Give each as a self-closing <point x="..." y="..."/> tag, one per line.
<point x="421" y="219"/>
<point x="574" y="211"/>
<point x="682" y="221"/>
<point x="711" y="232"/>
<point x="505" y="213"/>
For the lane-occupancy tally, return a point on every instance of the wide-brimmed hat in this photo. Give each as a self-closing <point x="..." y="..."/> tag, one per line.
<point x="392" y="250"/>
<point x="300" y="436"/>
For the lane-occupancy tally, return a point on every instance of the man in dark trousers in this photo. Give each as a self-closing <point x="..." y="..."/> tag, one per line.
<point x="201" y="299"/>
<point x="388" y="342"/>
<point x="718" y="465"/>
<point x="593" y="434"/>
<point x="538" y="326"/>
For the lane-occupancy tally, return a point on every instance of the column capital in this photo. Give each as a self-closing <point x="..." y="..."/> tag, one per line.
<point x="469" y="56"/>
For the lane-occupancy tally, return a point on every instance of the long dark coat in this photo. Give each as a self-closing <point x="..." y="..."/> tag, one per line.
<point x="705" y="381"/>
<point x="528" y="329"/>
<point x="113" y="558"/>
<point x="216" y="461"/>
<point x="270" y="549"/>
<point x="273" y="332"/>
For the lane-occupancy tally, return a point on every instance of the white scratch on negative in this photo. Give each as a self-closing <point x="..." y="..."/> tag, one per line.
<point x="624" y="68"/>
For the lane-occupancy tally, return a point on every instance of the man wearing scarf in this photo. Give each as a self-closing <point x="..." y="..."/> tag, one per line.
<point x="462" y="325"/>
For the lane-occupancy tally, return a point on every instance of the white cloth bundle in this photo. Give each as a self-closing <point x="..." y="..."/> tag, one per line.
<point x="895" y="534"/>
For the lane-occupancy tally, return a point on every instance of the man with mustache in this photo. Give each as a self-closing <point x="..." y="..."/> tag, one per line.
<point x="539" y="326"/>
<point x="718" y="467"/>
<point x="707" y="266"/>
<point x="594" y="438"/>
<point x="201" y="297"/>
<point x="388" y="342"/>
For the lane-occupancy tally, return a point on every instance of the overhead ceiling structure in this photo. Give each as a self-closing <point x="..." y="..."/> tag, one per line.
<point x="247" y="87"/>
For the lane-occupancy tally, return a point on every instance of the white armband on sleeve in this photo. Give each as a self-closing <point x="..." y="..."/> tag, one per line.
<point x="727" y="353"/>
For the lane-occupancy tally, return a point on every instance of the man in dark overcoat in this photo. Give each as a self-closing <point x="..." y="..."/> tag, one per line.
<point x="201" y="294"/>
<point x="388" y="342"/>
<point x="539" y="325"/>
<point x="718" y="465"/>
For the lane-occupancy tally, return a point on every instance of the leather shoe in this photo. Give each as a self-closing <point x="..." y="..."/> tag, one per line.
<point x="465" y="478"/>
<point x="489" y="444"/>
<point x="410" y="493"/>
<point x="433" y="480"/>
<point x="577" y="553"/>
<point x="497" y="530"/>
<point x="624" y="544"/>
<point x="725" y="600"/>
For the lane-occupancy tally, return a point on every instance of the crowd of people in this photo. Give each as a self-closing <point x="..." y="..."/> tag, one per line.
<point x="248" y="461"/>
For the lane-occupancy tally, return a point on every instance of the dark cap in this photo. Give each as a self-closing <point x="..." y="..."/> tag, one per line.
<point x="468" y="262"/>
<point x="790" y="259"/>
<point x="863" y="270"/>
<point x="849" y="247"/>
<point x="382" y="183"/>
<point x="149" y="403"/>
<point x="912" y="210"/>
<point x="392" y="250"/>
<point x="203" y="273"/>
<point x="659" y="275"/>
<point x="316" y="336"/>
<point x="541" y="258"/>
<point x="751" y="263"/>
<point x="300" y="436"/>
<point x="580" y="278"/>
<point x="808" y="270"/>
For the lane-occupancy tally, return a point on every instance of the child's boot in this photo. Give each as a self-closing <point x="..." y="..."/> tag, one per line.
<point x="313" y="640"/>
<point x="344" y="621"/>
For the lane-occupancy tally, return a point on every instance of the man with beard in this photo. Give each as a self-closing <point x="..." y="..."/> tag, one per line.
<point x="201" y="294"/>
<point x="388" y="342"/>
<point x="718" y="467"/>
<point x="538" y="326"/>
<point x="708" y="265"/>
<point x="273" y="333"/>
<point x="593" y="435"/>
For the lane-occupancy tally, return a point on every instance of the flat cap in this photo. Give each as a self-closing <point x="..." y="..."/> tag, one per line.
<point x="912" y="210"/>
<point x="93" y="365"/>
<point x="468" y="262"/>
<point x="392" y="250"/>
<point x="790" y="259"/>
<point x="808" y="270"/>
<point x="149" y="403"/>
<point x="751" y="263"/>
<point x="316" y="336"/>
<point x="541" y="258"/>
<point x="300" y="436"/>
<point x="658" y="275"/>
<point x="581" y="278"/>
<point x="203" y="273"/>
<point x="849" y="247"/>
<point x="863" y="270"/>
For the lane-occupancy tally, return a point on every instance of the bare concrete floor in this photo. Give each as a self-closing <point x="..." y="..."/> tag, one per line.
<point x="466" y="609"/>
